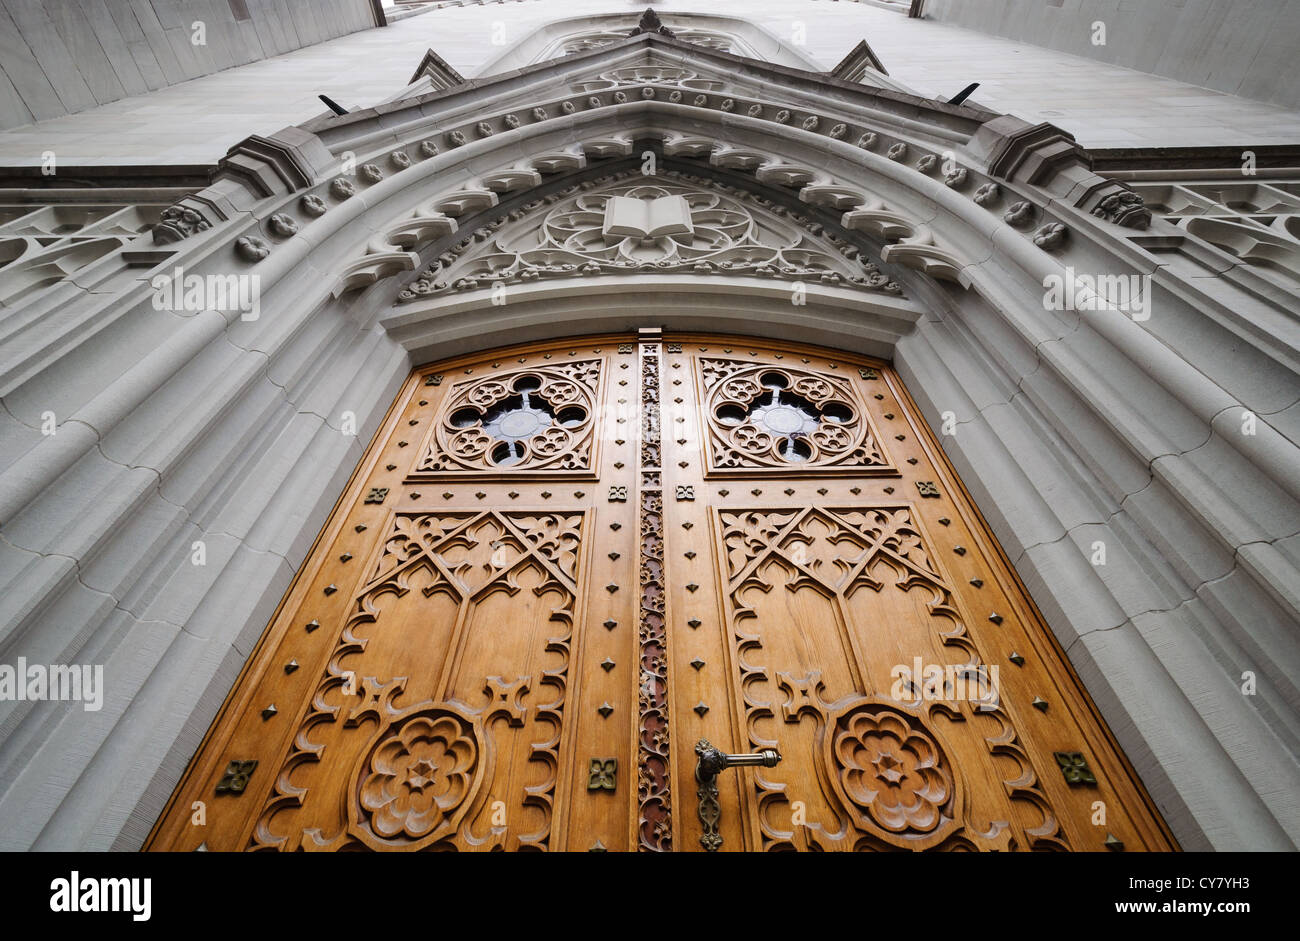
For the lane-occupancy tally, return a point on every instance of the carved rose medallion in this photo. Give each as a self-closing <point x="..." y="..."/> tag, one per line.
<point x="892" y="774"/>
<point x="418" y="780"/>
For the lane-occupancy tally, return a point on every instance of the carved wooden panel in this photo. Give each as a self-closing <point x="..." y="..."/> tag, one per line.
<point x="654" y="816"/>
<point x="855" y="591"/>
<point x="461" y="644"/>
<point x="513" y="631"/>
<point x="834" y="595"/>
<point x="784" y="418"/>
<point x="416" y="774"/>
<point x="537" y="419"/>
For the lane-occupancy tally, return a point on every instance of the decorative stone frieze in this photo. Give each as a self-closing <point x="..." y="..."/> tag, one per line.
<point x="629" y="225"/>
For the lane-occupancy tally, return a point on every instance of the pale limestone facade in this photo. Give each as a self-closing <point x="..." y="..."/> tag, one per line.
<point x="1165" y="426"/>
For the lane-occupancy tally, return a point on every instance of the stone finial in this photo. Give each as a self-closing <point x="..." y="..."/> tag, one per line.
<point x="439" y="72"/>
<point x="285" y="162"/>
<point x="650" y="23"/>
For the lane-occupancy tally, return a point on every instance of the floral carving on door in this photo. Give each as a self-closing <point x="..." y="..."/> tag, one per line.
<point x="420" y="776"/>
<point x="418" y="780"/>
<point x="816" y="599"/>
<point x="891" y="773"/>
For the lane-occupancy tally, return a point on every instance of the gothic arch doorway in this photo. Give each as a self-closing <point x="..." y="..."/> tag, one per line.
<point x="561" y="567"/>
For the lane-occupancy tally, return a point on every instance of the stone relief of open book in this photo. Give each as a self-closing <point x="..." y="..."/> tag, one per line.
<point x="627" y="216"/>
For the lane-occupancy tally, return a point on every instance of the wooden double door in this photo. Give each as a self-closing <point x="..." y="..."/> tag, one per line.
<point x="561" y="567"/>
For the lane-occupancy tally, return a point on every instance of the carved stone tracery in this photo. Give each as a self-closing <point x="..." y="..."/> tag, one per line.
<point x="650" y="74"/>
<point x="598" y="38"/>
<point x="727" y="233"/>
<point x="1254" y="222"/>
<point x="41" y="246"/>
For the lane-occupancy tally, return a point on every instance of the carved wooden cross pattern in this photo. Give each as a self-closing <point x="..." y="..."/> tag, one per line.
<point x="559" y="567"/>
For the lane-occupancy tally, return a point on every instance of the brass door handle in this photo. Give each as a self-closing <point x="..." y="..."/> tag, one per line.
<point x="709" y="763"/>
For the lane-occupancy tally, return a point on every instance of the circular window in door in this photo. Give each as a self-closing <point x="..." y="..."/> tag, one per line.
<point x="765" y="417"/>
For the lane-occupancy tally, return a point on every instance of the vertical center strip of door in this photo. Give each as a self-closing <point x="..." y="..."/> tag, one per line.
<point x="654" y="803"/>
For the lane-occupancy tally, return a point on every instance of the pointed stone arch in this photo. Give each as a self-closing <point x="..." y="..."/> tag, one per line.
<point x="895" y="172"/>
<point x="710" y="30"/>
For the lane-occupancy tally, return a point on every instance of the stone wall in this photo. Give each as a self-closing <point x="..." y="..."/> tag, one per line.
<point x="65" y="56"/>
<point x="195" y="122"/>
<point x="1245" y="49"/>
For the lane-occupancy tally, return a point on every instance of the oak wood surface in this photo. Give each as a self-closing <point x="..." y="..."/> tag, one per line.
<point x="475" y="626"/>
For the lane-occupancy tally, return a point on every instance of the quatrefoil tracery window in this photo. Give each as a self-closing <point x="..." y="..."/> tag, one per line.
<point x="531" y="419"/>
<point x="765" y="417"/>
<point x="519" y="423"/>
<point x="786" y="418"/>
